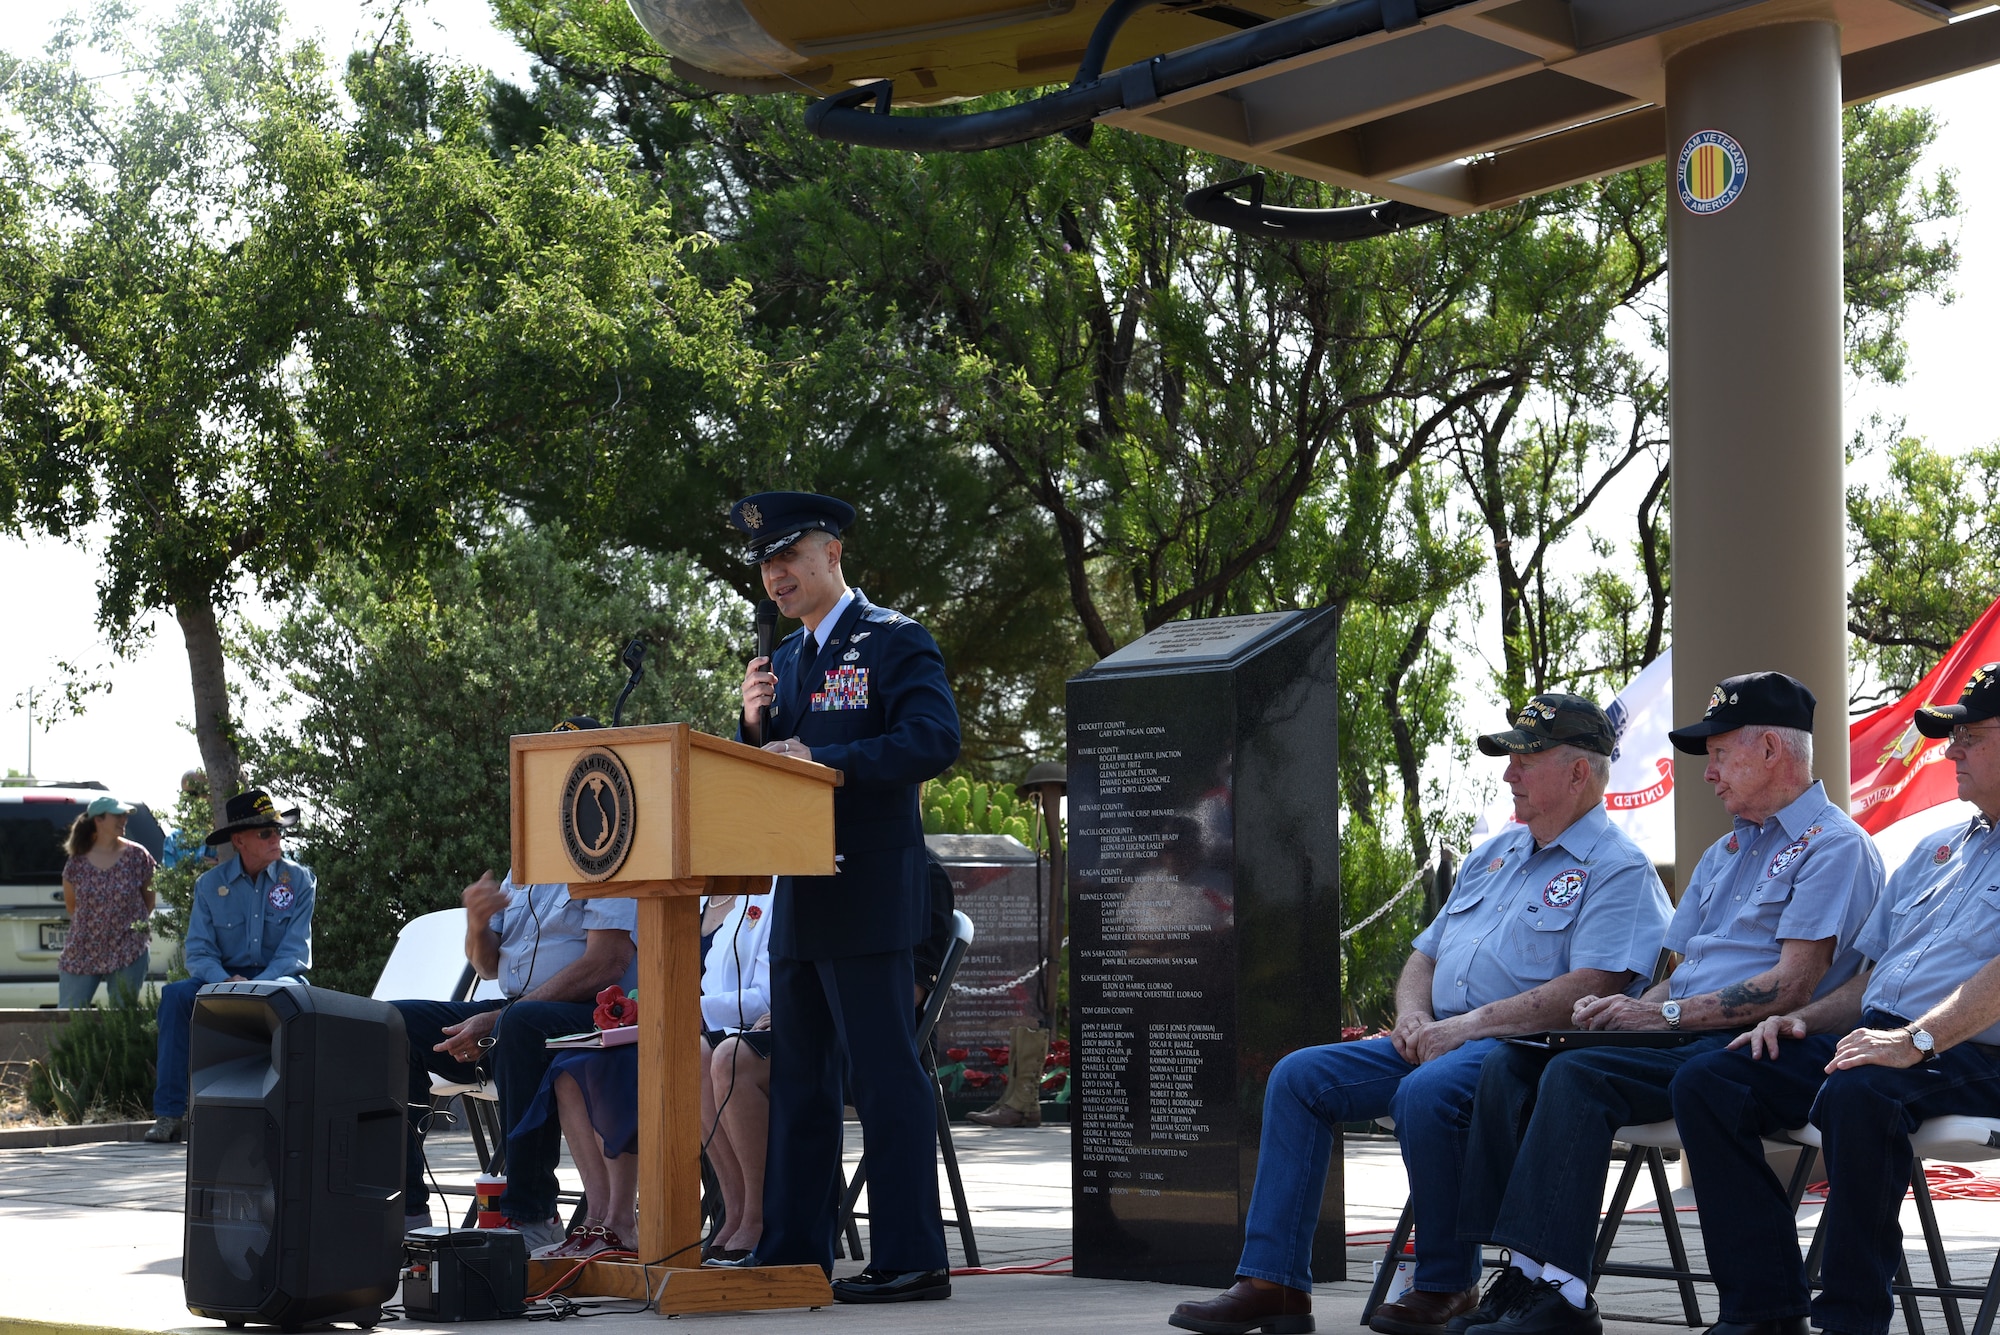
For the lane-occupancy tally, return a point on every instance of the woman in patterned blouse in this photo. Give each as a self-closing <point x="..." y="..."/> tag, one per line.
<point x="108" y="892"/>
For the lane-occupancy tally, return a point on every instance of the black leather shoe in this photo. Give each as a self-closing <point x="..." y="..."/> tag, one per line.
<point x="1502" y="1291"/>
<point x="1542" y="1310"/>
<point x="893" y="1286"/>
<point x="1784" y="1325"/>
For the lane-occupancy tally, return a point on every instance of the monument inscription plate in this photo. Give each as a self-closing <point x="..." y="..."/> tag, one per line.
<point x="1204" y="940"/>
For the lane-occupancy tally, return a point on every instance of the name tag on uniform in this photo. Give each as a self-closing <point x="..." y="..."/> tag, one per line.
<point x="846" y="688"/>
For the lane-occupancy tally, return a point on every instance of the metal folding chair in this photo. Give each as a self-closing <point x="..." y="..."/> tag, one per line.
<point x="962" y="933"/>
<point x="1643" y="1152"/>
<point x="1957" y="1140"/>
<point x="1644" y="1146"/>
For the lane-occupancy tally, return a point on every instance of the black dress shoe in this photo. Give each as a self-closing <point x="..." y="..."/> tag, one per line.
<point x="728" y="1258"/>
<point x="893" y="1286"/>
<point x="1784" y="1325"/>
<point x="1542" y="1310"/>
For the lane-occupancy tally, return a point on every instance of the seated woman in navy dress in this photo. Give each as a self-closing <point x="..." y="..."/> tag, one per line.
<point x="594" y="1093"/>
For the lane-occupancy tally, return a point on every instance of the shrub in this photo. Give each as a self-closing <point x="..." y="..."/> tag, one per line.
<point x="961" y="806"/>
<point x="100" y="1061"/>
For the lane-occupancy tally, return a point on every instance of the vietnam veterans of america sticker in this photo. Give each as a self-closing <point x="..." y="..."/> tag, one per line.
<point x="1713" y="168"/>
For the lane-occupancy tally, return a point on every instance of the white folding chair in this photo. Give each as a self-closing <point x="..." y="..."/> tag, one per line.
<point x="429" y="964"/>
<point x="1959" y="1140"/>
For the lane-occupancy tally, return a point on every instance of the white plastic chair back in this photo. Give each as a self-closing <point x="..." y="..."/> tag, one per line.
<point x="428" y="962"/>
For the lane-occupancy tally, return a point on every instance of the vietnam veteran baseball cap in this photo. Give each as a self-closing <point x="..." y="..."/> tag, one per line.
<point x="771" y="521"/>
<point x="1755" y="699"/>
<point x="1554" y="720"/>
<point x="1979" y="700"/>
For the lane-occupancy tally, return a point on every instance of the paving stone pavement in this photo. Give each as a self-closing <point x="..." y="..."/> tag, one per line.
<point x="93" y="1237"/>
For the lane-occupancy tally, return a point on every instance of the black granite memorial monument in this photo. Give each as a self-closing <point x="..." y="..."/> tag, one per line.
<point x="1205" y="931"/>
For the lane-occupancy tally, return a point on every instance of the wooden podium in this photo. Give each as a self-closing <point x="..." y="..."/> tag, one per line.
<point x="665" y="814"/>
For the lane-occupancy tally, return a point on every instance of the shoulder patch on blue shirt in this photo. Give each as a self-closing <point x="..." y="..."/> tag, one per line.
<point x="1564" y="887"/>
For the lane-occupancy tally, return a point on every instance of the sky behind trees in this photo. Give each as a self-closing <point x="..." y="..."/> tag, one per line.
<point x="135" y="739"/>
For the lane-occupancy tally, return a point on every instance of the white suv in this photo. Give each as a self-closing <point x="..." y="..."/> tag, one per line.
<point x="34" y="822"/>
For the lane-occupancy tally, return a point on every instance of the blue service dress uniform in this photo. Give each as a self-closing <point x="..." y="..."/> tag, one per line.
<point x="874" y="704"/>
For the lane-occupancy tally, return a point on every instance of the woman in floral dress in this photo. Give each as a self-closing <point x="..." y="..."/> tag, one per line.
<point x="108" y="891"/>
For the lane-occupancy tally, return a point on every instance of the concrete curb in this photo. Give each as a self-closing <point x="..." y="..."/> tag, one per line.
<point x="48" y="1137"/>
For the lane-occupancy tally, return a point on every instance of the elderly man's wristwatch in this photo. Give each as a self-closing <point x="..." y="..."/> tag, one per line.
<point x="1926" y="1046"/>
<point x="1670" y="1011"/>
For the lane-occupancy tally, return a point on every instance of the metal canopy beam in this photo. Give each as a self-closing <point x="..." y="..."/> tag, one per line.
<point x="1488" y="104"/>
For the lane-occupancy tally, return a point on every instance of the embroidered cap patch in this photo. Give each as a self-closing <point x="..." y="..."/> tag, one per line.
<point x="846" y="688"/>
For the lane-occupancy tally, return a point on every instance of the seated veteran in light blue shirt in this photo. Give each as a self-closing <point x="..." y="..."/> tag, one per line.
<point x="1927" y="1045"/>
<point x="1768" y="921"/>
<point x="1559" y="906"/>
<point x="251" y="921"/>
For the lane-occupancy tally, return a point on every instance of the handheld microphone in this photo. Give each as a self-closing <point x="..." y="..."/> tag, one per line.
<point x="767" y="634"/>
<point x="634" y="659"/>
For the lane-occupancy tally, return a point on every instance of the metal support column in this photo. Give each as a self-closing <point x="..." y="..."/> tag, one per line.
<point x="1759" y="506"/>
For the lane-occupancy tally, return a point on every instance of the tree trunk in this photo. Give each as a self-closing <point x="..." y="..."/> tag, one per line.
<point x="1408" y="766"/>
<point x="214" y="730"/>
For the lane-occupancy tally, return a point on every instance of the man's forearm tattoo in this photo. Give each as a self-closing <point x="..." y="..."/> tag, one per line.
<point x="1739" y="997"/>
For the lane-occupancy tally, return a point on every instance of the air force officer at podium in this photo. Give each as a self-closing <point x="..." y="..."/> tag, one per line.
<point x="860" y="689"/>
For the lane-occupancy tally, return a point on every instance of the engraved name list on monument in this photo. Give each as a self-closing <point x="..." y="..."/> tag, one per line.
<point x="1150" y="872"/>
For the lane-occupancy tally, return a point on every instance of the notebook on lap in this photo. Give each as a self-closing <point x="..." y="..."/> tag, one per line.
<point x="1566" y="1040"/>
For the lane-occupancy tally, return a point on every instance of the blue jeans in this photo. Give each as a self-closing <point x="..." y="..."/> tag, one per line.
<point x="170" y="1072"/>
<point x="1865" y="1116"/>
<point x="1541" y="1142"/>
<point x="516" y="1062"/>
<point x="74" y="991"/>
<point x="1312" y="1091"/>
<point x="1725" y="1103"/>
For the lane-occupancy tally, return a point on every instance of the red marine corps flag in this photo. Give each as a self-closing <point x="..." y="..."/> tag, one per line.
<point x="1897" y="771"/>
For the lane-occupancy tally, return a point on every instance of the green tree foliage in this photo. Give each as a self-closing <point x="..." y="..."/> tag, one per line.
<point x="1925" y="548"/>
<point x="1193" y="424"/>
<point x="175" y="885"/>
<point x="1893" y="251"/>
<point x="408" y="689"/>
<point x="252" y="317"/>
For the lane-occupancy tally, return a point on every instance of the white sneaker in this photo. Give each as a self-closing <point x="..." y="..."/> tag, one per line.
<point x="541" y="1234"/>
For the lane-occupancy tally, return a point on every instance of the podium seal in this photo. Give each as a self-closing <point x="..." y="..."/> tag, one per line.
<point x="597" y="814"/>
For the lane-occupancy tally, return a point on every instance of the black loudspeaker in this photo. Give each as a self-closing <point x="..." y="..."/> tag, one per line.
<point x="295" y="1155"/>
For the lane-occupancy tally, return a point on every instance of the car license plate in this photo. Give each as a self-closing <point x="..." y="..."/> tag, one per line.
<point x="55" y="935"/>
